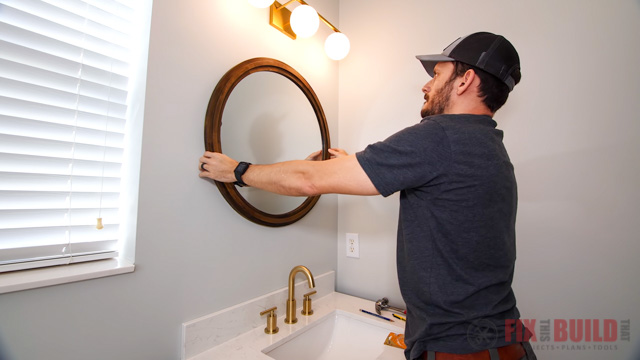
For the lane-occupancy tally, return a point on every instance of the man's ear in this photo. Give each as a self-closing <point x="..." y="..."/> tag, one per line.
<point x="467" y="79"/>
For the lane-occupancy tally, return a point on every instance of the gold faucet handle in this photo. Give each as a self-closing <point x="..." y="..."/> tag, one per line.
<point x="272" y="320"/>
<point x="306" y="304"/>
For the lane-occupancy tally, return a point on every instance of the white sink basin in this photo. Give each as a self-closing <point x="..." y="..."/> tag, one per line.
<point x="339" y="335"/>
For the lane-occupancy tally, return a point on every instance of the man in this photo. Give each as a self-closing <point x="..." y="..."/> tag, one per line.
<point x="458" y="199"/>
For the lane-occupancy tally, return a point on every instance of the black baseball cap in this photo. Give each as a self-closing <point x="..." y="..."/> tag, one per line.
<point x="483" y="50"/>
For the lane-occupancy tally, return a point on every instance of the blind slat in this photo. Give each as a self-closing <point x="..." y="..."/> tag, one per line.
<point x="34" y="263"/>
<point x="43" y="236"/>
<point x="56" y="166"/>
<point x="70" y="84"/>
<point x="26" y="200"/>
<point x="76" y="32"/>
<point x="51" y="182"/>
<point x="107" y="13"/>
<point x="13" y="259"/>
<point x="22" y="145"/>
<point x="35" y="93"/>
<point x="115" y="15"/>
<point x="35" y="129"/>
<point x="57" y="115"/>
<point x="50" y="62"/>
<point x="15" y="219"/>
<point x="41" y="43"/>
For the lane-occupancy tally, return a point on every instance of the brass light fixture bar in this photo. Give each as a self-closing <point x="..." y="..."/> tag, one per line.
<point x="280" y="16"/>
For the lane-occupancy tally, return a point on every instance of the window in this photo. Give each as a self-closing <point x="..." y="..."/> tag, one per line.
<point x="70" y="71"/>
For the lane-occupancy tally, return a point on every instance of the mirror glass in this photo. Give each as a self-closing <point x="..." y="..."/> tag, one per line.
<point x="270" y="120"/>
<point x="270" y="114"/>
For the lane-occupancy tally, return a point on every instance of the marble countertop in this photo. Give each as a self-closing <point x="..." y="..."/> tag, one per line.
<point x="249" y="346"/>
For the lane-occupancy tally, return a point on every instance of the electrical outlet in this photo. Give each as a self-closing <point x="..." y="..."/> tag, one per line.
<point x="353" y="245"/>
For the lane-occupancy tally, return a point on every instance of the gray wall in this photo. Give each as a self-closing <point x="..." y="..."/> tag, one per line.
<point x="571" y="128"/>
<point x="194" y="254"/>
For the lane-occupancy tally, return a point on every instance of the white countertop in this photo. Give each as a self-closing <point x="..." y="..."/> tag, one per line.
<point x="249" y="346"/>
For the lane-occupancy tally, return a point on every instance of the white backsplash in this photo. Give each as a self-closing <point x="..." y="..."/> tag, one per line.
<point x="202" y="334"/>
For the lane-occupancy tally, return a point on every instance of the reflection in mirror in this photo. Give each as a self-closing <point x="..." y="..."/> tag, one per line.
<point x="271" y="114"/>
<point x="270" y="120"/>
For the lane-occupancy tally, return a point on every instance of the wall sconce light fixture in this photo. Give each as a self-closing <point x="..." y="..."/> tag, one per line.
<point x="303" y="22"/>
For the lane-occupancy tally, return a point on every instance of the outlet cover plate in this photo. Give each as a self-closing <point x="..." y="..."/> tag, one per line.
<point x="353" y="245"/>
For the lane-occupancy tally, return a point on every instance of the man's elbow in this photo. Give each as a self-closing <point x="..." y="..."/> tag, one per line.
<point x="308" y="188"/>
<point x="307" y="185"/>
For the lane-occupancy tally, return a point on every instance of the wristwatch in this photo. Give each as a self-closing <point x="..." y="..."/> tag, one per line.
<point x="239" y="171"/>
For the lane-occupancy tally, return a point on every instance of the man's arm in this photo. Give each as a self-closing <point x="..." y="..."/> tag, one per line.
<point x="341" y="175"/>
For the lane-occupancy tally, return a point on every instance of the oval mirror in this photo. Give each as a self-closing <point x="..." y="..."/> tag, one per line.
<point x="270" y="114"/>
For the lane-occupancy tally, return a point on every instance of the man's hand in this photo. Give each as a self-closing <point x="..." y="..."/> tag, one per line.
<point x="335" y="153"/>
<point x="217" y="166"/>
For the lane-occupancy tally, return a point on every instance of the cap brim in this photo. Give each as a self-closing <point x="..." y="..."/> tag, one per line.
<point x="430" y="61"/>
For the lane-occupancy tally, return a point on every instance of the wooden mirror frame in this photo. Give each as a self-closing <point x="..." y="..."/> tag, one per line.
<point x="212" y="131"/>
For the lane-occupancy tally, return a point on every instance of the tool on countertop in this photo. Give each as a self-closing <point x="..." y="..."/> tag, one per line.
<point x="395" y="340"/>
<point x="383" y="304"/>
<point x="376" y="315"/>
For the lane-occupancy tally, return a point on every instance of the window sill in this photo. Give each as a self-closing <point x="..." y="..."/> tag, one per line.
<point x="31" y="279"/>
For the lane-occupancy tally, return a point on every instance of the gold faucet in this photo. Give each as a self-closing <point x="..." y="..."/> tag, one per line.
<point x="306" y="304"/>
<point x="272" y="321"/>
<point x="291" y="300"/>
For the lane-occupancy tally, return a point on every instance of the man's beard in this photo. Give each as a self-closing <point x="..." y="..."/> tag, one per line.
<point x="439" y="101"/>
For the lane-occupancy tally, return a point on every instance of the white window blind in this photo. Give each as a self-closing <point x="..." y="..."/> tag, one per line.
<point x="64" y="75"/>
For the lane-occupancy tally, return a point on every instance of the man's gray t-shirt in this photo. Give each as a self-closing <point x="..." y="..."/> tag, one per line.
<point x="456" y="232"/>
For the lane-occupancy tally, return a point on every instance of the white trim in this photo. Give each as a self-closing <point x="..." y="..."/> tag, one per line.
<point x="35" y="278"/>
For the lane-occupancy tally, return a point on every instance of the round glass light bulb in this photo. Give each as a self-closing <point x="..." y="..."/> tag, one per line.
<point x="337" y="46"/>
<point x="261" y="3"/>
<point x="304" y="21"/>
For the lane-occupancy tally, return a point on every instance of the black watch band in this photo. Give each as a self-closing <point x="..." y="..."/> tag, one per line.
<point x="239" y="171"/>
